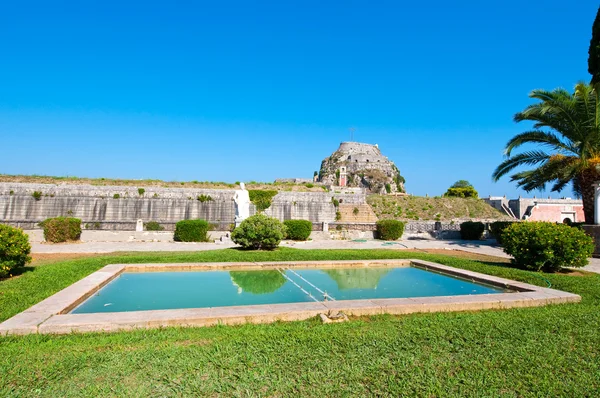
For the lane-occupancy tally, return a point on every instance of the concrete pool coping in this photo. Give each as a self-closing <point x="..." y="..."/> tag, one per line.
<point x="51" y="316"/>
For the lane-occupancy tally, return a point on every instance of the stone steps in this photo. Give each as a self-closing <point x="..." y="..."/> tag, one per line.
<point x="349" y="214"/>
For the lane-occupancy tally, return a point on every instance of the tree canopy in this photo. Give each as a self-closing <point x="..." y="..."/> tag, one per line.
<point x="461" y="184"/>
<point x="594" y="51"/>
<point x="461" y="189"/>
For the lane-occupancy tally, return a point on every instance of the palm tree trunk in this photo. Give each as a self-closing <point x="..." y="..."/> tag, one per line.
<point x="586" y="179"/>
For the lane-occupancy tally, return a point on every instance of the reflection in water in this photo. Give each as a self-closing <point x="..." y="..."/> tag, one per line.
<point x="257" y="282"/>
<point x="357" y="278"/>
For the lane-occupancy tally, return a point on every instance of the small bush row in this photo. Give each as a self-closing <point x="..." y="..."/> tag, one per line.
<point x="14" y="250"/>
<point x="61" y="229"/>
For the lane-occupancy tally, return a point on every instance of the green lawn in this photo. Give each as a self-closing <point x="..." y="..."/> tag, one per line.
<point x="548" y="351"/>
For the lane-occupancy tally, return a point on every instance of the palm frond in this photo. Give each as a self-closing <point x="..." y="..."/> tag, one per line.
<point x="539" y="137"/>
<point x="525" y="158"/>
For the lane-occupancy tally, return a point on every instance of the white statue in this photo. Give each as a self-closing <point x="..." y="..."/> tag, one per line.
<point x="242" y="204"/>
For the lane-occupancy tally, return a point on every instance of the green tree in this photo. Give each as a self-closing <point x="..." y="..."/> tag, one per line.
<point x="462" y="189"/>
<point x="594" y="51"/>
<point x="461" y="184"/>
<point x="567" y="126"/>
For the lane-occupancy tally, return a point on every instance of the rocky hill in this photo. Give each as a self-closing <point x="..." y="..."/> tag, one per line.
<point x="366" y="168"/>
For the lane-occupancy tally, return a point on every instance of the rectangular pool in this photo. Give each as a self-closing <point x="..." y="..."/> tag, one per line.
<point x="141" y="291"/>
<point x="132" y="296"/>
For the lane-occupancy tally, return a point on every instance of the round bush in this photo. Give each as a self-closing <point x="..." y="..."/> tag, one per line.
<point x="543" y="246"/>
<point x="14" y="250"/>
<point x="389" y="229"/>
<point x="191" y="231"/>
<point x="259" y="232"/>
<point x="298" y="229"/>
<point x="61" y="229"/>
<point x="471" y="230"/>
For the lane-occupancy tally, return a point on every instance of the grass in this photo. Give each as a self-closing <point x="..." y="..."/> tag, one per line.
<point x="410" y="208"/>
<point x="41" y="179"/>
<point x="547" y="351"/>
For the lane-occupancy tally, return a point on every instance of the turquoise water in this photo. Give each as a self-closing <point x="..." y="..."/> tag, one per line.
<point x="197" y="289"/>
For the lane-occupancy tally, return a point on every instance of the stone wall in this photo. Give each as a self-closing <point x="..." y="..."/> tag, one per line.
<point x="98" y="207"/>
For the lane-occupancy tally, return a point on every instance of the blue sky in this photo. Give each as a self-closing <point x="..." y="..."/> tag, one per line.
<point x="226" y="91"/>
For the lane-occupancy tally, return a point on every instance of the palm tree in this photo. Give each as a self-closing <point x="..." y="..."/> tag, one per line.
<point x="568" y="126"/>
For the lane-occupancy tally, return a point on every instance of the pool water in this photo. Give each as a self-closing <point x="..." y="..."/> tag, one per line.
<point x="200" y="289"/>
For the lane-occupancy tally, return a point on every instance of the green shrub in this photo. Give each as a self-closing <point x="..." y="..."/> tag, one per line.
<point x="61" y="229"/>
<point x="355" y="211"/>
<point x="154" y="226"/>
<point x="116" y="196"/>
<point x="261" y="198"/>
<point x="12" y="192"/>
<point x="389" y="229"/>
<point x="498" y="227"/>
<point x="14" y="250"/>
<point x="309" y="185"/>
<point x="298" y="229"/>
<point x="336" y="203"/>
<point x="259" y="232"/>
<point x="191" y="231"/>
<point x="543" y="246"/>
<point x="141" y="191"/>
<point x="204" y="198"/>
<point x="338" y="216"/>
<point x="37" y="195"/>
<point x="471" y="230"/>
<point x="388" y="188"/>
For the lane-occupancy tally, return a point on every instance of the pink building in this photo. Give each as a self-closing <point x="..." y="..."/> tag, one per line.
<point x="553" y="210"/>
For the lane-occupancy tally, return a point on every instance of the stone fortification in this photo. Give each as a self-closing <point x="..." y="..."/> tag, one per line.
<point x="365" y="166"/>
<point x="119" y="207"/>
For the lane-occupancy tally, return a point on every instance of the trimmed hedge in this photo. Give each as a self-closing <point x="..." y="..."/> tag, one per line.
<point x="259" y="232"/>
<point x="298" y="229"/>
<point x="498" y="227"/>
<point x="389" y="229"/>
<point x="61" y="229"/>
<point x="191" y="231"/>
<point x="471" y="230"/>
<point x="14" y="250"/>
<point x="548" y="247"/>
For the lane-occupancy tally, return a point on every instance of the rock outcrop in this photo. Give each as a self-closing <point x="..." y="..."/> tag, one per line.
<point x="365" y="166"/>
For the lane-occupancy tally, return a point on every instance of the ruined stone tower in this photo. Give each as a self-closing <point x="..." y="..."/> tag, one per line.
<point x="364" y="166"/>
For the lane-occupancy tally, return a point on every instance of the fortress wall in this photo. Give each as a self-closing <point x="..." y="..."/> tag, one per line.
<point x="358" y="147"/>
<point x="96" y="205"/>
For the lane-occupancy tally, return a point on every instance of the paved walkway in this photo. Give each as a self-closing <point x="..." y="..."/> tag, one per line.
<point x="483" y="247"/>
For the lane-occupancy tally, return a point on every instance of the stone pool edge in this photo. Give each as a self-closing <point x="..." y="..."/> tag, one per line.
<point x="50" y="316"/>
